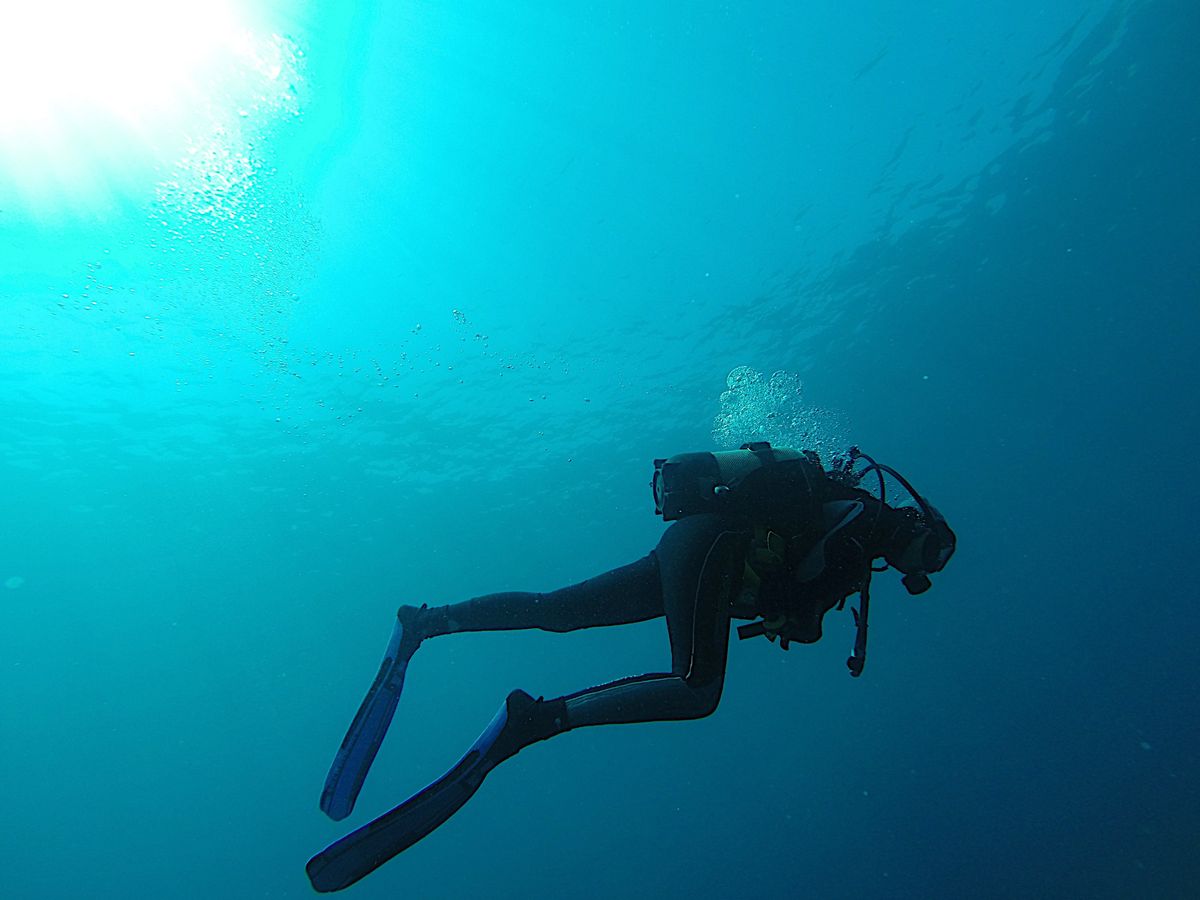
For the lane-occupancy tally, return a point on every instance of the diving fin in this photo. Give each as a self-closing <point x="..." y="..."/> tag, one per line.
<point x="519" y="722"/>
<point x="366" y="732"/>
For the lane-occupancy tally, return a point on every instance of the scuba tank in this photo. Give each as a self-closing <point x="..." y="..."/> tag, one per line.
<point x="756" y="480"/>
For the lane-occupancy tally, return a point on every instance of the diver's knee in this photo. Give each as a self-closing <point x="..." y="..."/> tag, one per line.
<point x="706" y="698"/>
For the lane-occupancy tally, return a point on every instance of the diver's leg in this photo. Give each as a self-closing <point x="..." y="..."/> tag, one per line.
<point x="695" y="562"/>
<point x="697" y="558"/>
<point x="622" y="596"/>
<point x="690" y="577"/>
<point x="701" y="561"/>
<point x="628" y="594"/>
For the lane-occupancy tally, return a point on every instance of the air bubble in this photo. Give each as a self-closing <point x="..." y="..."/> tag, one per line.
<point x="760" y="408"/>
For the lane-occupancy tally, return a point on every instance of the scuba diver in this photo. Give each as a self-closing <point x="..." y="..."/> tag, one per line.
<point x="760" y="533"/>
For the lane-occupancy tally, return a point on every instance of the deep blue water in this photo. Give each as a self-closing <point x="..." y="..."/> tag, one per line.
<point x="410" y="326"/>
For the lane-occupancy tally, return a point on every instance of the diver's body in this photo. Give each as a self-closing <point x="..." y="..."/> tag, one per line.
<point x="789" y="563"/>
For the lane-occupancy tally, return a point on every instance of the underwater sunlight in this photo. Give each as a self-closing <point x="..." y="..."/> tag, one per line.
<point x="97" y="97"/>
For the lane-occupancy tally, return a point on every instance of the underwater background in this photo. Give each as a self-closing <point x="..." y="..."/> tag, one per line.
<point x="399" y="301"/>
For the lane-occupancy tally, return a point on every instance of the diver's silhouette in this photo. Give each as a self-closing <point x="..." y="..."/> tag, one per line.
<point x="758" y="533"/>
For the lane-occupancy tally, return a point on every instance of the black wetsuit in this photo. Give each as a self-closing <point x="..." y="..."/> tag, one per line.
<point x="690" y="577"/>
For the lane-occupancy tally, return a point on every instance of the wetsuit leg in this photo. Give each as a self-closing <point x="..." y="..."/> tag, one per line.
<point x="699" y="557"/>
<point x="631" y="593"/>
<point x="698" y="563"/>
<point x="687" y="577"/>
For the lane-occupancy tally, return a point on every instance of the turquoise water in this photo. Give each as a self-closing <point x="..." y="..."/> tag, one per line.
<point x="401" y="306"/>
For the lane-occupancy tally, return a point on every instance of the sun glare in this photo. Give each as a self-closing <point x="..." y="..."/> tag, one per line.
<point x="90" y="89"/>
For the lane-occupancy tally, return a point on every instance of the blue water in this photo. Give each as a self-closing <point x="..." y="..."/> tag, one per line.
<point x="412" y="329"/>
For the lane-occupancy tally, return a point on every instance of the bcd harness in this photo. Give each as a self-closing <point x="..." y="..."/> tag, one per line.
<point x="793" y="575"/>
<point x="804" y="585"/>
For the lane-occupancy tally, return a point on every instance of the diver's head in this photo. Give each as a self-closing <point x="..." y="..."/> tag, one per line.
<point x="921" y="544"/>
<point x="919" y="541"/>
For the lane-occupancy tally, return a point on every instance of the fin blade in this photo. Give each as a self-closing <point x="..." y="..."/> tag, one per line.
<point x="363" y="851"/>
<point x="366" y="732"/>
